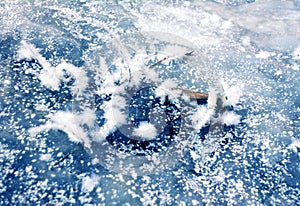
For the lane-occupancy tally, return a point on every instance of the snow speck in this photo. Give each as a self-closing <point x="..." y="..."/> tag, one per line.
<point x="296" y="53"/>
<point x="231" y="118"/>
<point x="246" y="41"/>
<point x="278" y="73"/>
<point x="45" y="157"/>
<point x="295" y="67"/>
<point x="263" y="54"/>
<point x="175" y="50"/>
<point x="89" y="183"/>
<point x="28" y="168"/>
<point x="233" y="93"/>
<point x="145" y="131"/>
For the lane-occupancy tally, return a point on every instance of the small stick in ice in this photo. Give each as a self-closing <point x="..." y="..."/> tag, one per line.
<point x="194" y="94"/>
<point x="189" y="53"/>
<point x="160" y="61"/>
<point x="165" y="58"/>
<point x="79" y="147"/>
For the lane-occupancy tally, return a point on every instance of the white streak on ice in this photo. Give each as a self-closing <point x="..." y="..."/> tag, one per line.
<point x="70" y="123"/>
<point x="203" y="114"/>
<point x="263" y="54"/>
<point x="51" y="76"/>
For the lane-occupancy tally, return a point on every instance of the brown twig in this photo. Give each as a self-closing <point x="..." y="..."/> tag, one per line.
<point x="194" y="94"/>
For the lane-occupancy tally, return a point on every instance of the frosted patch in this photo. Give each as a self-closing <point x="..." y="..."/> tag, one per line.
<point x="119" y="101"/>
<point x="89" y="183"/>
<point x="296" y="53"/>
<point x="103" y="68"/>
<point x="177" y="51"/>
<point x="203" y="114"/>
<point x="114" y="117"/>
<point x="215" y="18"/>
<point x="295" y="145"/>
<point x="100" y="134"/>
<point x="185" y="97"/>
<point x="81" y="80"/>
<point x="263" y="54"/>
<point x="145" y="74"/>
<point x="137" y="62"/>
<point x="227" y="25"/>
<point x="230" y="118"/>
<point x="201" y="117"/>
<point x="246" y="41"/>
<point x="87" y="117"/>
<point x="51" y="76"/>
<point x="267" y="142"/>
<point x="212" y="99"/>
<point x="145" y="130"/>
<point x="151" y="74"/>
<point x="45" y="157"/>
<point x="295" y="67"/>
<point x="233" y="93"/>
<point x="166" y="88"/>
<point x="29" y="51"/>
<point x="72" y="124"/>
<point x="113" y="114"/>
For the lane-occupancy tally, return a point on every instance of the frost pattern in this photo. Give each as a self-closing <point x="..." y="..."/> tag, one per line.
<point x="47" y="51"/>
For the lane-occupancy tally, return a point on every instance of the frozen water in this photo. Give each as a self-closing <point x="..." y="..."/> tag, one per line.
<point x="69" y="68"/>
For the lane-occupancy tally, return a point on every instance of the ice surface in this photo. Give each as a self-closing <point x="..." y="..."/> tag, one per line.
<point x="50" y="51"/>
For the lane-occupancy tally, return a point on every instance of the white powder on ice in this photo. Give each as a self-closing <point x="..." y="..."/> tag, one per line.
<point x="89" y="183"/>
<point x="51" y="76"/>
<point x="230" y="118"/>
<point x="146" y="131"/>
<point x="70" y="123"/>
